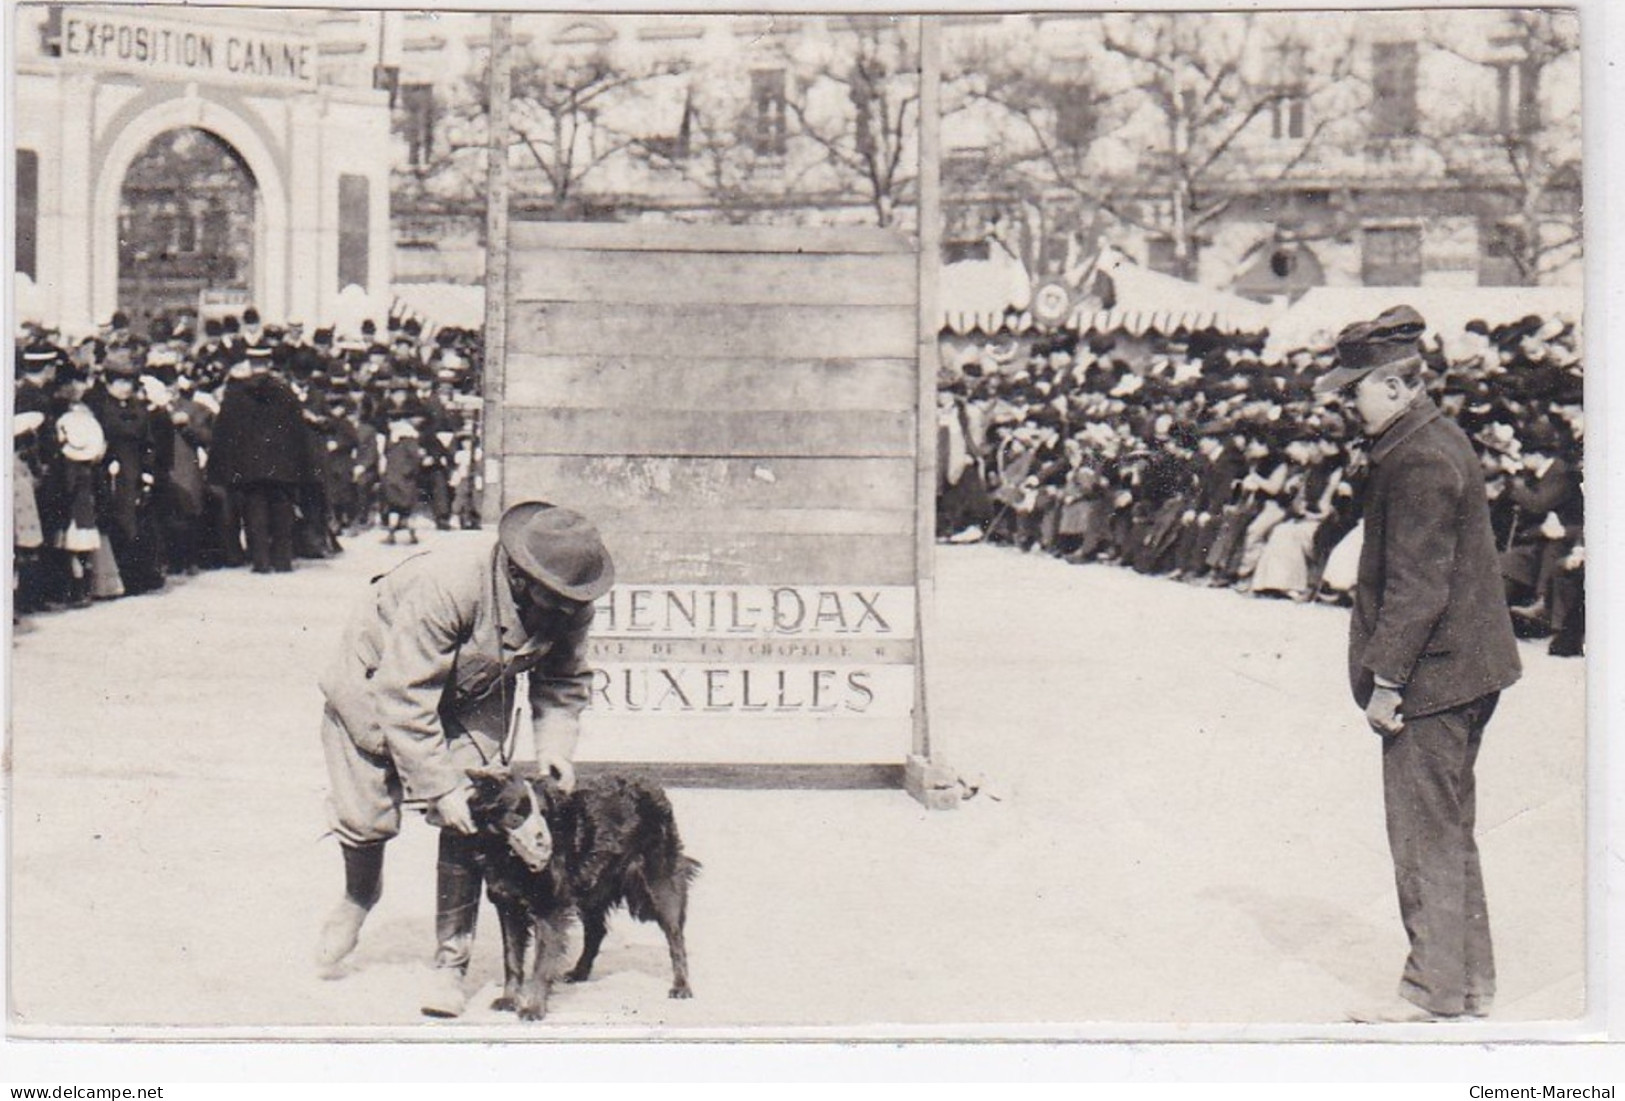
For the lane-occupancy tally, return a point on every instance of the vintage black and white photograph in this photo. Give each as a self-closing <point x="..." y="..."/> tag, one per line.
<point x="1006" y="524"/>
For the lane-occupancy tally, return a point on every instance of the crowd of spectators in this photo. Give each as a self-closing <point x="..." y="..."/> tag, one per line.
<point x="138" y="458"/>
<point x="1212" y="463"/>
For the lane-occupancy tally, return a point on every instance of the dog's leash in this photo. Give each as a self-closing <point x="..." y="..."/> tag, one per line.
<point x="511" y="712"/>
<point x="510" y="736"/>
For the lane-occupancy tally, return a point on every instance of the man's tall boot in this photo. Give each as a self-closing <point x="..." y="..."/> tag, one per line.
<point x="363" y="883"/>
<point x="457" y="909"/>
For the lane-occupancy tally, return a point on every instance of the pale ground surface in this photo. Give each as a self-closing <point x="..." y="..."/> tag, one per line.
<point x="1180" y="822"/>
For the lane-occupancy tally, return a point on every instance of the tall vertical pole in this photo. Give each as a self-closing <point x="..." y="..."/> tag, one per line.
<point x="496" y="262"/>
<point x="926" y="776"/>
<point x="930" y="267"/>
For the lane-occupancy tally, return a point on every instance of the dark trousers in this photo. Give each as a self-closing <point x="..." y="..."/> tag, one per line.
<point x="226" y="510"/>
<point x="183" y="541"/>
<point x="1431" y="798"/>
<point x="268" y="521"/>
<point x="1568" y="612"/>
<point x="437" y="488"/>
<point x="312" y="530"/>
<point x="1195" y="543"/>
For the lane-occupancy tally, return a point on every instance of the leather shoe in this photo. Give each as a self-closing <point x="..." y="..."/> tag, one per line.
<point x="1401" y="1013"/>
<point x="340" y="932"/>
<point x="444" y="997"/>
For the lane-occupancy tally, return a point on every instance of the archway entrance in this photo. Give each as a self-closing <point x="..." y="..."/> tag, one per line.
<point x="187" y="222"/>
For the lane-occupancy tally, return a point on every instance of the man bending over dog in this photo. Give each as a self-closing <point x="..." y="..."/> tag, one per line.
<point x="423" y="689"/>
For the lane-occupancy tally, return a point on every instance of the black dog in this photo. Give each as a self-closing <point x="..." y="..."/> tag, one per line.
<point x="546" y="855"/>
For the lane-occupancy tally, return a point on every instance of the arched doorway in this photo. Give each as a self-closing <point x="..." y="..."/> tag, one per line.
<point x="187" y="221"/>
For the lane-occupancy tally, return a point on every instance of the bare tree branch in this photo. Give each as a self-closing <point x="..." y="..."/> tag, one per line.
<point x="1520" y="166"/>
<point x="1190" y="72"/>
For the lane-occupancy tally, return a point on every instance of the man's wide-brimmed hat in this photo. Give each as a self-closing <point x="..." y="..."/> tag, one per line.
<point x="560" y="548"/>
<point x="1393" y="337"/>
<point x="1501" y="438"/>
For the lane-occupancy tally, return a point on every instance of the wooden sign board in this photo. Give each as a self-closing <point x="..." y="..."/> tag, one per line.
<point x="738" y="408"/>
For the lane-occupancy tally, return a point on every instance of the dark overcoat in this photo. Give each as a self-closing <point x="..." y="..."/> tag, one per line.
<point x="130" y="444"/>
<point x="1430" y="611"/>
<point x="260" y="435"/>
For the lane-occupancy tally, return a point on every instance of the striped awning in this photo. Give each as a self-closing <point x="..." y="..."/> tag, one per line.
<point x="987" y="296"/>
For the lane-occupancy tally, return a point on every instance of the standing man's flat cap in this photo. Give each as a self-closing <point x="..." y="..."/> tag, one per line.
<point x="1366" y="345"/>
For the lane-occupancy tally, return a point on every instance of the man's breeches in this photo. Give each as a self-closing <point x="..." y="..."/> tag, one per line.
<point x="364" y="790"/>
<point x="1431" y="797"/>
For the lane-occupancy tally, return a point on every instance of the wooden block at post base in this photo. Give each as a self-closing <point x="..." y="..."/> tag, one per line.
<point x="932" y="783"/>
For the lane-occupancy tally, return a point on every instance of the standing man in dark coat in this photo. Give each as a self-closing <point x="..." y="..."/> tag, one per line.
<point x="262" y="450"/>
<point x="1430" y="649"/>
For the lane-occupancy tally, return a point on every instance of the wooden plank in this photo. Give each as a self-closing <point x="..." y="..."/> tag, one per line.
<point x="788" y="695"/>
<point x="710" y="332"/>
<point x="755" y="521"/>
<point x="646" y="236"/>
<point x="701" y="278"/>
<point x="704" y="738"/>
<point x="748" y="777"/>
<point x="591" y="484"/>
<point x="829" y="623"/>
<point x="652" y="431"/>
<point x="602" y="649"/>
<point x="743" y="739"/>
<point x="597" y="382"/>
<point x="761" y="558"/>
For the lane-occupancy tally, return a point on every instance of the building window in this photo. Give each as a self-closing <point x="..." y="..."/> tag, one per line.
<point x="387" y="78"/>
<point x="186" y="230"/>
<point x="1077" y="121"/>
<point x="1160" y="255"/>
<point x="677" y="146"/>
<point x="28" y="213"/>
<point x="1518" y="97"/>
<point x="1500" y="246"/>
<point x="1391" y="256"/>
<point x="768" y="122"/>
<point x="354" y="224"/>
<point x="1070" y="91"/>
<point x="1287" y="114"/>
<point x="417" y="103"/>
<point x="1393" y="82"/>
<point x="1288" y="106"/>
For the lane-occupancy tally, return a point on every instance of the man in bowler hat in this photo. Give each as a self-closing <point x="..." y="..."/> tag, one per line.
<point x="1430" y="649"/>
<point x="423" y="689"/>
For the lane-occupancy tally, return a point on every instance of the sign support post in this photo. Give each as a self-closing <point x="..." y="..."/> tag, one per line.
<point x="925" y="775"/>
<point x="496" y="264"/>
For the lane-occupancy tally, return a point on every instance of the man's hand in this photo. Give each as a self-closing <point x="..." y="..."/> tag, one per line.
<point x="1383" y="711"/>
<point x="560" y="769"/>
<point x="452" y="809"/>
